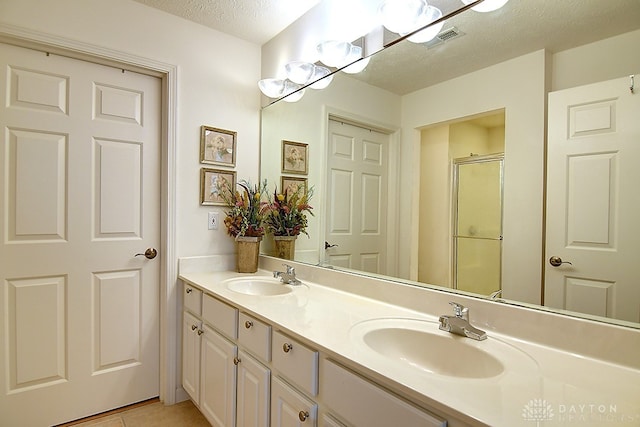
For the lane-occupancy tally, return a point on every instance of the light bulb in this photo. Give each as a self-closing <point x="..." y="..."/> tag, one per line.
<point x="321" y="78"/>
<point x="333" y="53"/>
<point x="430" y="14"/>
<point x="272" y="88"/>
<point x="487" y="5"/>
<point x="401" y="16"/>
<point x="300" y="72"/>
<point x="289" y="94"/>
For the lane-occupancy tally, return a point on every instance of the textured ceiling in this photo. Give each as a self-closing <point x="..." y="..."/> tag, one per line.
<point x="520" y="27"/>
<point x="257" y="21"/>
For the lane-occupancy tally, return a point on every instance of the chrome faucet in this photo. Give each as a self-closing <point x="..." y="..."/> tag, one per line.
<point x="459" y="323"/>
<point x="288" y="276"/>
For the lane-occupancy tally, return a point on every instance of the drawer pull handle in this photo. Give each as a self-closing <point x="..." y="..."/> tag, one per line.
<point x="189" y="290"/>
<point x="236" y="361"/>
<point x="286" y="347"/>
<point x="200" y="332"/>
<point x="303" y="415"/>
<point x="194" y="327"/>
<point x="248" y="324"/>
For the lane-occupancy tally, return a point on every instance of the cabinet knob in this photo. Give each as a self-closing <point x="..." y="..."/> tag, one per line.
<point x="303" y="415"/>
<point x="248" y="324"/>
<point x="286" y="347"/>
<point x="194" y="327"/>
<point x="236" y="361"/>
<point x="200" y="332"/>
<point x="189" y="290"/>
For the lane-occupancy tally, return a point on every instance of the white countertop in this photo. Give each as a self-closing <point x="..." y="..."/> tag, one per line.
<point x="551" y="386"/>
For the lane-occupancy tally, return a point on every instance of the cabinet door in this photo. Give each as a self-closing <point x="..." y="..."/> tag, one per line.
<point x="217" y="392"/>
<point x="253" y="392"/>
<point x="289" y="408"/>
<point x="191" y="356"/>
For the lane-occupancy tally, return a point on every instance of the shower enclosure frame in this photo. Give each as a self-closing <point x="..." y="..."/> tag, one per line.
<point x="456" y="163"/>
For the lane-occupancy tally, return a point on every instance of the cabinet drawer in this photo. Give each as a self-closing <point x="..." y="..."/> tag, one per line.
<point x="296" y="362"/>
<point x="290" y="408"/>
<point x="221" y="316"/>
<point x="255" y="336"/>
<point x="362" y="403"/>
<point x="193" y="299"/>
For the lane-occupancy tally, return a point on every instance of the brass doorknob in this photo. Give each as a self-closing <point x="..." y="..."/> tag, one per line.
<point x="150" y="253"/>
<point x="556" y="261"/>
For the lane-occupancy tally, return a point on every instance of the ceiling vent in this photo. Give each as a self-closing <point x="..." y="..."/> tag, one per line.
<point x="444" y="36"/>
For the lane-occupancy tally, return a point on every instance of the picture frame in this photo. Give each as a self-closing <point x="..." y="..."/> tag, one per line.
<point x="217" y="146"/>
<point x="213" y="182"/>
<point x="295" y="157"/>
<point x="290" y="184"/>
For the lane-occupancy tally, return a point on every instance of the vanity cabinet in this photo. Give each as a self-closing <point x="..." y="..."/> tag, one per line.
<point x="230" y="386"/>
<point x="242" y="371"/>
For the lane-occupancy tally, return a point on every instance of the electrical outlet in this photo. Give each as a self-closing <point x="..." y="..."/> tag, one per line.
<point x="214" y="219"/>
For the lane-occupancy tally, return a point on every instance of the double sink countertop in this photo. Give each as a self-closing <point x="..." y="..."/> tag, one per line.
<point x="503" y="380"/>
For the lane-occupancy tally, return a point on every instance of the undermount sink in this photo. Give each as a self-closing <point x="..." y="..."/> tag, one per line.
<point x="262" y="286"/>
<point x="420" y="345"/>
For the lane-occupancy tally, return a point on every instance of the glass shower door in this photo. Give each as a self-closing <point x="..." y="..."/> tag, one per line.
<point x="477" y="219"/>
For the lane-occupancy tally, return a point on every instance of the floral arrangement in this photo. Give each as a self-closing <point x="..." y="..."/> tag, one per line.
<point x="245" y="217"/>
<point x="285" y="212"/>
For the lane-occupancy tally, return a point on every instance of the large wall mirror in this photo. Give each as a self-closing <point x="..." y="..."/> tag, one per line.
<point x="446" y="164"/>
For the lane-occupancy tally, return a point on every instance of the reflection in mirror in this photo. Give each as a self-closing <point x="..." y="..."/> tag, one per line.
<point x="422" y="100"/>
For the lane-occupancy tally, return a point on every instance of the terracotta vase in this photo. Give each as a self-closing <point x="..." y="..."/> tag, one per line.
<point x="285" y="246"/>
<point x="247" y="252"/>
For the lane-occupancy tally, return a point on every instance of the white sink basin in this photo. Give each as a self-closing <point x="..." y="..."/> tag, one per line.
<point x="262" y="286"/>
<point x="419" y="345"/>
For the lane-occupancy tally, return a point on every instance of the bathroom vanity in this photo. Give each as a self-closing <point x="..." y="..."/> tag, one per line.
<point x="345" y="350"/>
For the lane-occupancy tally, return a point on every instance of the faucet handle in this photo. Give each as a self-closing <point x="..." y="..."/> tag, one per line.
<point x="460" y="310"/>
<point x="289" y="269"/>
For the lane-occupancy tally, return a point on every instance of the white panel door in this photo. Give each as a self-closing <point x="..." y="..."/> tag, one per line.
<point x="593" y="202"/>
<point x="80" y="196"/>
<point x="357" y="198"/>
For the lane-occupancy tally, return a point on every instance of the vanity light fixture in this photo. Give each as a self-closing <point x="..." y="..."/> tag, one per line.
<point x="300" y="72"/>
<point x="289" y="92"/>
<point x="273" y="88"/>
<point x="321" y="77"/>
<point x="334" y="53"/>
<point x="430" y="14"/>
<point x="486" y="5"/>
<point x="401" y="16"/>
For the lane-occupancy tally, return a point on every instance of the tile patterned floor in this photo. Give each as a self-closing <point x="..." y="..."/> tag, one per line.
<point x="150" y="414"/>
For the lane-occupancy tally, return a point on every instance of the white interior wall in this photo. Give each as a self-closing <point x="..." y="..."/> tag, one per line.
<point x="607" y="59"/>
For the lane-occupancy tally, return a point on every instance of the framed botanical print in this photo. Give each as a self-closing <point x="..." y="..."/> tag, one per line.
<point x="290" y="184"/>
<point x="214" y="183"/>
<point x="295" y="157"/>
<point x="217" y="146"/>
